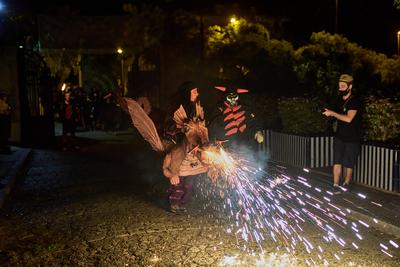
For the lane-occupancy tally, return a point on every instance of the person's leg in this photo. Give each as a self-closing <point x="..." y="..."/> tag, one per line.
<point x="64" y="137"/>
<point x="187" y="186"/>
<point x="337" y="170"/>
<point x="175" y="193"/>
<point x="349" y="174"/>
<point x="338" y="154"/>
<point x="352" y="151"/>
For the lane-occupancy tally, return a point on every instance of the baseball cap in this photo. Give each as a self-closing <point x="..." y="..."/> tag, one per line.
<point x="347" y="78"/>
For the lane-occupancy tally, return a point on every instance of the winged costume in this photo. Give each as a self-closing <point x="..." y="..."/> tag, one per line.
<point x="182" y="159"/>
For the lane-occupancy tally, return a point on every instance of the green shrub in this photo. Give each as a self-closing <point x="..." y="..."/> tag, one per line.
<point x="299" y="117"/>
<point x="266" y="111"/>
<point x="381" y="119"/>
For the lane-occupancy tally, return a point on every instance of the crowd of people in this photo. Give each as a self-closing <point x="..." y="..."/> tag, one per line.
<point x="92" y="110"/>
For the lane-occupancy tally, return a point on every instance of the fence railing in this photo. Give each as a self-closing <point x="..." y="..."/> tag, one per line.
<point x="376" y="166"/>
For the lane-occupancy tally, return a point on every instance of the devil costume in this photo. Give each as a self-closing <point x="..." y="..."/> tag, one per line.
<point x="233" y="121"/>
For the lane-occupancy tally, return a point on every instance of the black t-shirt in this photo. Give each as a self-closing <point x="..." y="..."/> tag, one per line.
<point x="349" y="132"/>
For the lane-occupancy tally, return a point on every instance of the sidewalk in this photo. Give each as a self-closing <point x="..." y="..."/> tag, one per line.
<point x="11" y="167"/>
<point x="378" y="208"/>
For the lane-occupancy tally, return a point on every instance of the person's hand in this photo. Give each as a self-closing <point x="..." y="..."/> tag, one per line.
<point x="259" y="137"/>
<point x="174" y="180"/>
<point x="220" y="143"/>
<point x="328" y="113"/>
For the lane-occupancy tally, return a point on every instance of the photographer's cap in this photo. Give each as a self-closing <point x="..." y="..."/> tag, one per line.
<point x="346" y="78"/>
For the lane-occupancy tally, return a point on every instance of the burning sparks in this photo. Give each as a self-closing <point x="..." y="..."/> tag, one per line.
<point x="272" y="259"/>
<point x="263" y="206"/>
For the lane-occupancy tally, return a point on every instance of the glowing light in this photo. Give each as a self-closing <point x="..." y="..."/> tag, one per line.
<point x="361" y="195"/>
<point x="363" y="223"/>
<point x="120" y="51"/>
<point x="393" y="244"/>
<point x="383" y="246"/>
<point x="229" y="260"/>
<point x="379" y="205"/>
<point x="63" y="87"/>
<point x="233" y="20"/>
<point x="271" y="206"/>
<point x="388" y="254"/>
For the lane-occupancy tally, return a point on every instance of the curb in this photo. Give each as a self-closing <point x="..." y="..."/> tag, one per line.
<point x="16" y="171"/>
<point x="380" y="225"/>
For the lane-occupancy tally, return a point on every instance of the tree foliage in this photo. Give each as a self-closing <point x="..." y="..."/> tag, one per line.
<point x="381" y="119"/>
<point x="319" y="64"/>
<point x="297" y="116"/>
<point x="396" y="3"/>
<point x="61" y="64"/>
<point x="244" y="51"/>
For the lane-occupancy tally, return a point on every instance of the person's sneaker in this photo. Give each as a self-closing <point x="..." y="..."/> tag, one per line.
<point x="336" y="189"/>
<point x="174" y="209"/>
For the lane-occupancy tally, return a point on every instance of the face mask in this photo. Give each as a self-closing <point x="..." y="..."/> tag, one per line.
<point x="343" y="93"/>
<point x="232" y="99"/>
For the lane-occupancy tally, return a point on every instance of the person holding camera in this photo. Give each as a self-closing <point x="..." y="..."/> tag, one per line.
<point x="348" y="135"/>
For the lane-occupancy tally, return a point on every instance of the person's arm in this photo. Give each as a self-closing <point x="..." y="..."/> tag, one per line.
<point x="348" y="117"/>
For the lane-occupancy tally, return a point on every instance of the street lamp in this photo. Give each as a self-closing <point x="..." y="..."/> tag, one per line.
<point x="398" y="43"/>
<point x="120" y="52"/>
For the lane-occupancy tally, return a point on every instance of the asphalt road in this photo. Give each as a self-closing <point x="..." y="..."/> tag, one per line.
<point x="105" y="205"/>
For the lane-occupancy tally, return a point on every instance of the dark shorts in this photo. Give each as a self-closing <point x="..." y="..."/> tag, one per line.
<point x="345" y="153"/>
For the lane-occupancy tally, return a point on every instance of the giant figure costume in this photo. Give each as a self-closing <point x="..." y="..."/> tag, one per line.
<point x="233" y="121"/>
<point x="183" y="159"/>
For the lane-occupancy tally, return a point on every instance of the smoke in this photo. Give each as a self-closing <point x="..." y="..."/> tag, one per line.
<point x="251" y="152"/>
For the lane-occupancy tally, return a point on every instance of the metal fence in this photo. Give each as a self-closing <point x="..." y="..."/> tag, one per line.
<point x="376" y="166"/>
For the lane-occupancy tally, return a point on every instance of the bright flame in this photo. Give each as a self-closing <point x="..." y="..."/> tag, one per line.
<point x="63" y="87"/>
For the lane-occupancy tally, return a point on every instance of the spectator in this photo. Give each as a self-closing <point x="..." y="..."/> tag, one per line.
<point x="69" y="118"/>
<point x="348" y="132"/>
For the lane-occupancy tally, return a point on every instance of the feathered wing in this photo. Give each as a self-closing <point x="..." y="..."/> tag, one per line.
<point x="180" y="117"/>
<point x="199" y="111"/>
<point x="144" y="124"/>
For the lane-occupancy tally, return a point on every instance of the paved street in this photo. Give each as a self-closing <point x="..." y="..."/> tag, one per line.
<point x="105" y="206"/>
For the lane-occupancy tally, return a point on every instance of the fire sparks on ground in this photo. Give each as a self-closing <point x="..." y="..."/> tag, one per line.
<point x="264" y="207"/>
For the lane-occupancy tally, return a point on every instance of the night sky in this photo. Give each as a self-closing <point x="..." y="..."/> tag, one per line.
<point x="371" y="23"/>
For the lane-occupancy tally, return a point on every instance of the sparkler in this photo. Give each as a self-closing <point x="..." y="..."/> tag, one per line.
<point x="271" y="206"/>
